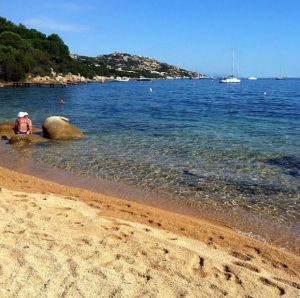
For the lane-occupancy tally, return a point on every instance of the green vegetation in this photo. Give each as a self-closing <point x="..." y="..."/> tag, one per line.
<point x="24" y="51"/>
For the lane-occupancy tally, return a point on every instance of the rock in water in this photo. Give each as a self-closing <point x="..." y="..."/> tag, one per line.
<point x="7" y="129"/>
<point x="59" y="128"/>
<point x="23" y="140"/>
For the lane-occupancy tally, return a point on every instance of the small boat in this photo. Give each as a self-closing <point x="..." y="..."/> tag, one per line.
<point x="231" y="79"/>
<point x="121" y="79"/>
<point x="143" y="79"/>
<point x="252" y="78"/>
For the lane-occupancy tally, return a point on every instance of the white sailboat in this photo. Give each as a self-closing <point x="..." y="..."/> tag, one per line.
<point x="231" y="79"/>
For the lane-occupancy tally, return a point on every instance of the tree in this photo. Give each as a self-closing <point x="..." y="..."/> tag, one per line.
<point x="56" y="46"/>
<point x="11" y="68"/>
<point x="14" y="40"/>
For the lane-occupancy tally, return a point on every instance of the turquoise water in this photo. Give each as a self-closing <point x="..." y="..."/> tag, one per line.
<point x="197" y="141"/>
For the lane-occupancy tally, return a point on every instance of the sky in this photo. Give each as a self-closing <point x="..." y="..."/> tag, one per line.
<point x="197" y="35"/>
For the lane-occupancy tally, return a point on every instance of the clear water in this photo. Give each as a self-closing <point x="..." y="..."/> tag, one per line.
<point x="197" y="141"/>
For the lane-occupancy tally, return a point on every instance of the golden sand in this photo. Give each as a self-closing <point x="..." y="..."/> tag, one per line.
<point x="58" y="241"/>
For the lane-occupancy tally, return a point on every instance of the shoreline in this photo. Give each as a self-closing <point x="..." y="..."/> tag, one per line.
<point x="148" y="248"/>
<point x="262" y="261"/>
<point x="261" y="228"/>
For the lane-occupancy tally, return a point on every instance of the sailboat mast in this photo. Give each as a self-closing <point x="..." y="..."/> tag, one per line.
<point x="232" y="70"/>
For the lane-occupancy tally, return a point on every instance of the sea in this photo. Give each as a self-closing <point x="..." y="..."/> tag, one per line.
<point x="198" y="147"/>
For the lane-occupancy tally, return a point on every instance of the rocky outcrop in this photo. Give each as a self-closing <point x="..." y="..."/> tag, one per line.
<point x="26" y="139"/>
<point x="60" y="78"/>
<point x="59" y="128"/>
<point x="7" y="132"/>
<point x="139" y="65"/>
<point x="7" y="129"/>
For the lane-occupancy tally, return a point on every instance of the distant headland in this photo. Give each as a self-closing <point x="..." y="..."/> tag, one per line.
<point x="27" y="55"/>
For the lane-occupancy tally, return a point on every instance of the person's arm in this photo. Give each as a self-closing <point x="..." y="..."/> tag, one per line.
<point x="30" y="126"/>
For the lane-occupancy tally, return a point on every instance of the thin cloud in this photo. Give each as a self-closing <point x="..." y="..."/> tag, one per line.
<point x="72" y="7"/>
<point x="48" y="23"/>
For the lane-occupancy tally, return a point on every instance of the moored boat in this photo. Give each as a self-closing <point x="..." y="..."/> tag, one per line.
<point x="121" y="79"/>
<point x="231" y="79"/>
<point x="143" y="79"/>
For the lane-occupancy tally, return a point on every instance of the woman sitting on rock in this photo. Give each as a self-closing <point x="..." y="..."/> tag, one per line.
<point x="23" y="124"/>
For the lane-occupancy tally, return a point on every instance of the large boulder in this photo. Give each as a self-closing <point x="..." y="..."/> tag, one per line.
<point x="7" y="129"/>
<point x="59" y="128"/>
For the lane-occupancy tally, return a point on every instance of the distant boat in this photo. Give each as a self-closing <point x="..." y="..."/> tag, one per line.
<point x="280" y="77"/>
<point x="231" y="79"/>
<point x="252" y="78"/>
<point x="203" y="77"/>
<point x="121" y="79"/>
<point x="143" y="79"/>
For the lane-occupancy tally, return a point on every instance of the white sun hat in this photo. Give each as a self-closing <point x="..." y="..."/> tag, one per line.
<point x="25" y="114"/>
<point x="21" y="114"/>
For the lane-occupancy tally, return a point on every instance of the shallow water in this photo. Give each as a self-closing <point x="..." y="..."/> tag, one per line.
<point x="196" y="141"/>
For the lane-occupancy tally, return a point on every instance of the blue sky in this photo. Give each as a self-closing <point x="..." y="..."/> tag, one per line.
<point x="196" y="35"/>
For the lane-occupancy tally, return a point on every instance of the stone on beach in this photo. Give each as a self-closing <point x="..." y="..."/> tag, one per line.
<point x="59" y="128"/>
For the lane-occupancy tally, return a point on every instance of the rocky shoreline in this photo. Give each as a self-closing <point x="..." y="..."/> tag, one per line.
<point x="60" y="79"/>
<point x="71" y="79"/>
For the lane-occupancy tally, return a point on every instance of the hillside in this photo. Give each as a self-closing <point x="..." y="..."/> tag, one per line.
<point x="26" y="52"/>
<point x="143" y="65"/>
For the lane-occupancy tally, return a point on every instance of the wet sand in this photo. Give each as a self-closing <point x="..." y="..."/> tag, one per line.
<point x="59" y="240"/>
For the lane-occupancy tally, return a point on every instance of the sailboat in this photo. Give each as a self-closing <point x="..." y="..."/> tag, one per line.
<point x="281" y="77"/>
<point x="231" y="79"/>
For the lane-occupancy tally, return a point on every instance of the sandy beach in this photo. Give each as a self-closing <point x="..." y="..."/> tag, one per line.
<point x="58" y="241"/>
